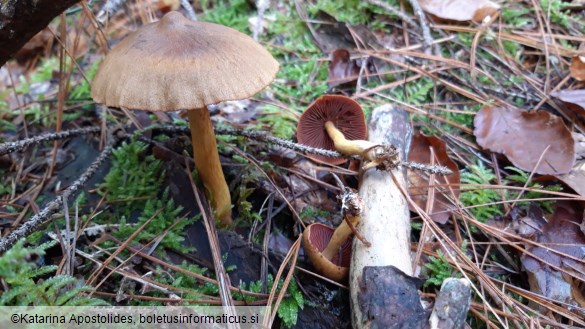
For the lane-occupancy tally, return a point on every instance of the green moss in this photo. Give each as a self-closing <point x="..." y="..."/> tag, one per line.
<point x="134" y="178"/>
<point x="480" y="197"/>
<point x="23" y="286"/>
<point x="438" y="269"/>
<point x="232" y="13"/>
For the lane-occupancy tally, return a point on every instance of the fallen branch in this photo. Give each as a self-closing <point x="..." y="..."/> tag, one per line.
<point x="263" y="136"/>
<point x="22" y="19"/>
<point x="10" y="147"/>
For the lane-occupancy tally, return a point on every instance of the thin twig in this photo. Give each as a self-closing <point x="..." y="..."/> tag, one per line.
<point x="351" y="206"/>
<point x="189" y="9"/>
<point x="223" y="279"/>
<point x="431" y="169"/>
<point x="10" y="147"/>
<point x="44" y="216"/>
<point x="424" y="25"/>
<point x="263" y="136"/>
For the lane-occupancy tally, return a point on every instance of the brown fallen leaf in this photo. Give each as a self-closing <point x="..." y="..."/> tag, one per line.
<point x="578" y="68"/>
<point x="562" y="247"/>
<point x="524" y="136"/>
<point x="574" y="99"/>
<point x="575" y="179"/>
<point x="460" y="10"/>
<point x="523" y="220"/>
<point x="420" y="151"/>
<point x="342" y="69"/>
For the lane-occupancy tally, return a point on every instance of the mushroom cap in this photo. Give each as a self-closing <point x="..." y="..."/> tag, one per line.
<point x="177" y="63"/>
<point x="345" y="113"/>
<point x="315" y="239"/>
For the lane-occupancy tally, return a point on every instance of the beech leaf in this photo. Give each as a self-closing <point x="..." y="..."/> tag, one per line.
<point x="420" y="151"/>
<point x="524" y="136"/>
<point x="575" y="179"/>
<point x="573" y="99"/>
<point x="460" y="10"/>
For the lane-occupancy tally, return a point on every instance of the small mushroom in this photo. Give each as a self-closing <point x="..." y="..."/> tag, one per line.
<point x="330" y="122"/>
<point x="329" y="250"/>
<point x="335" y="122"/>
<point x="316" y="238"/>
<point x="178" y="64"/>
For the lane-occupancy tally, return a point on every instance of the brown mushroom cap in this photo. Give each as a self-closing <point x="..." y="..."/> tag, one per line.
<point x="178" y="64"/>
<point x="345" y="113"/>
<point x="315" y="239"/>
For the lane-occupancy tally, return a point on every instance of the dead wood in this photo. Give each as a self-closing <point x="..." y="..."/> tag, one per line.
<point x="385" y="218"/>
<point x="20" y="20"/>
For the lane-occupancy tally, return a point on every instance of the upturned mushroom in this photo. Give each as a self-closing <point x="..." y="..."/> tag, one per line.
<point x="177" y="64"/>
<point x="329" y="250"/>
<point x="335" y="122"/>
<point x="316" y="238"/>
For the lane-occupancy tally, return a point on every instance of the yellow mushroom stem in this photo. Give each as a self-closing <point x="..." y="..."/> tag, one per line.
<point x="340" y="235"/>
<point x="381" y="156"/>
<point x="208" y="165"/>
<point x="345" y="146"/>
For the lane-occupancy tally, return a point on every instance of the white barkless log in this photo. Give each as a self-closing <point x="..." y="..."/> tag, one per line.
<point x="385" y="218"/>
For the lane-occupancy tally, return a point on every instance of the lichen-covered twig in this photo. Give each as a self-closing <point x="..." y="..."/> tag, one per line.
<point x="10" y="147"/>
<point x="44" y="216"/>
<point x="383" y="157"/>
<point x="430" y="169"/>
<point x="261" y="6"/>
<point x="261" y="136"/>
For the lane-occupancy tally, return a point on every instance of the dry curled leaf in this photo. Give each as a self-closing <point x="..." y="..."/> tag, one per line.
<point x="420" y="151"/>
<point x="573" y="99"/>
<point x="578" y="68"/>
<point x="561" y="247"/>
<point x="575" y="179"/>
<point x="342" y="69"/>
<point x="524" y="136"/>
<point x="460" y="10"/>
<point x="523" y="220"/>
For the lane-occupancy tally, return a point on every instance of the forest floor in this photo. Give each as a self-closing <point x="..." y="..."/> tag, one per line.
<point x="494" y="91"/>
